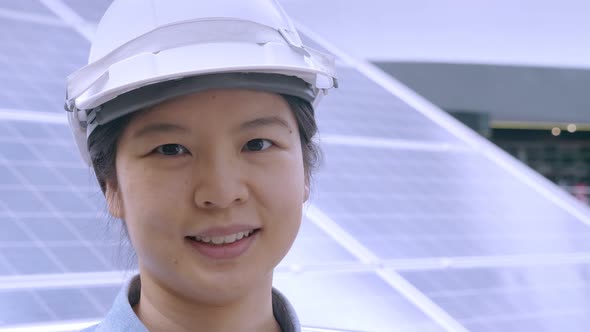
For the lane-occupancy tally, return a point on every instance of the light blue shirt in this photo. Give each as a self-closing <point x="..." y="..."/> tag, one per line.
<point x="121" y="317"/>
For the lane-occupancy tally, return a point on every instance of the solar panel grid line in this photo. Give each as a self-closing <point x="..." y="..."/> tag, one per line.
<point x="41" y="302"/>
<point x="47" y="188"/>
<point x="24" y="215"/>
<point x="32" y="116"/>
<point x="414" y="295"/>
<point x="18" y="15"/>
<point x="54" y="164"/>
<point x="60" y="326"/>
<point x="37" y="141"/>
<point x="38" y="299"/>
<point x="56" y="212"/>
<point x="71" y="18"/>
<point x="58" y="244"/>
<point x="38" y="92"/>
<point x="453" y="126"/>
<point x="450" y="217"/>
<point x="517" y="260"/>
<point x="392" y="278"/>
<point x="39" y="243"/>
<point x="386" y="143"/>
<point x="444" y="263"/>
<point x="342" y="64"/>
<point x="65" y="280"/>
<point x="8" y="266"/>
<point x="35" y="240"/>
<point x="498" y="235"/>
<point x="508" y="290"/>
<point x="530" y="315"/>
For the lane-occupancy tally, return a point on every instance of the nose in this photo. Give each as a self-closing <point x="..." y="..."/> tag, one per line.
<point x="220" y="184"/>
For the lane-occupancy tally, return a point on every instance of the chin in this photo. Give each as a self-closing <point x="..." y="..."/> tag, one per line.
<point x="221" y="290"/>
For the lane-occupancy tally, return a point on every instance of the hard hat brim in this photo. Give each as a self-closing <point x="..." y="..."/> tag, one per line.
<point x="151" y="95"/>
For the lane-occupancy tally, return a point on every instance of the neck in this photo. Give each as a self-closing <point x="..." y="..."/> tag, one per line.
<point x="161" y="309"/>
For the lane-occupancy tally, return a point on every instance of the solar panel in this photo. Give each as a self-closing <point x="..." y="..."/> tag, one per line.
<point x="89" y="10"/>
<point x="314" y="247"/>
<point x="539" y="298"/>
<point x="26" y="6"/>
<point x="23" y="307"/>
<point x="34" y="62"/>
<point x="425" y="204"/>
<point x="413" y="223"/>
<point x="364" y="109"/>
<point x="20" y="308"/>
<point x="351" y="301"/>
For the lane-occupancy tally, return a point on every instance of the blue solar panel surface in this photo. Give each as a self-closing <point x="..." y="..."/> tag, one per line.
<point x="359" y="302"/>
<point x="89" y="10"/>
<point x="359" y="107"/>
<point x="414" y="206"/>
<point x="28" y="6"/>
<point x="34" y="62"/>
<point x="424" y="204"/>
<point x="512" y="299"/>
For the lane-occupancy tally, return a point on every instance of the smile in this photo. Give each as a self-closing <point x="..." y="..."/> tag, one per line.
<point x="222" y="240"/>
<point x="224" y="245"/>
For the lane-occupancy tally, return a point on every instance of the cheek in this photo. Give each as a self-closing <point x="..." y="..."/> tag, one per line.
<point x="280" y="192"/>
<point x="152" y="205"/>
<point x="282" y="182"/>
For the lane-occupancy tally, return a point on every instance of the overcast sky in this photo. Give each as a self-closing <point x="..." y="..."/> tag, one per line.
<point x="531" y="32"/>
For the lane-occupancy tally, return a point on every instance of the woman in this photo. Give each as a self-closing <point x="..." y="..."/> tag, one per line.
<point x="197" y="118"/>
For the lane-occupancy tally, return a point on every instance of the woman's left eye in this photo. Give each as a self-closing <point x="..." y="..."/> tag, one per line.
<point x="171" y="149"/>
<point x="258" y="144"/>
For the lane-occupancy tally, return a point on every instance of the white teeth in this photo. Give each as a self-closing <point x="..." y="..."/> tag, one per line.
<point x="217" y="239"/>
<point x="230" y="238"/>
<point x="224" y="239"/>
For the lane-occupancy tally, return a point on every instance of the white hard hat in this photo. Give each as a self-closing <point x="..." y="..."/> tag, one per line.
<point x="146" y="51"/>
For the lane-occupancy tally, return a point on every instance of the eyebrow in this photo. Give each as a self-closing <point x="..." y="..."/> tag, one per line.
<point x="160" y="128"/>
<point x="265" y="121"/>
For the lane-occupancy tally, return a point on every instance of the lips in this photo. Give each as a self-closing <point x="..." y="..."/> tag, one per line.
<point x="221" y="240"/>
<point x="224" y="243"/>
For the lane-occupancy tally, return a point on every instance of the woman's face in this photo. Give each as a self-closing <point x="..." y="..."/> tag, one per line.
<point x="198" y="174"/>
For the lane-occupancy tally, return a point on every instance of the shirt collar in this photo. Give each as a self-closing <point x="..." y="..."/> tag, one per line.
<point x="121" y="317"/>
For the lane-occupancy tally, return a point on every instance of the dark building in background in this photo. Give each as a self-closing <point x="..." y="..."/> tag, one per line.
<point x="539" y="115"/>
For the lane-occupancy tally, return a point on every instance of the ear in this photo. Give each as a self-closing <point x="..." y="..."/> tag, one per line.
<point x="114" y="201"/>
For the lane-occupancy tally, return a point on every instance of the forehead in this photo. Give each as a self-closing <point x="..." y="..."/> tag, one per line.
<point x="217" y="105"/>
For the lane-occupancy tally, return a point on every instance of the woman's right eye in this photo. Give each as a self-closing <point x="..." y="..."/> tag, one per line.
<point x="171" y="150"/>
